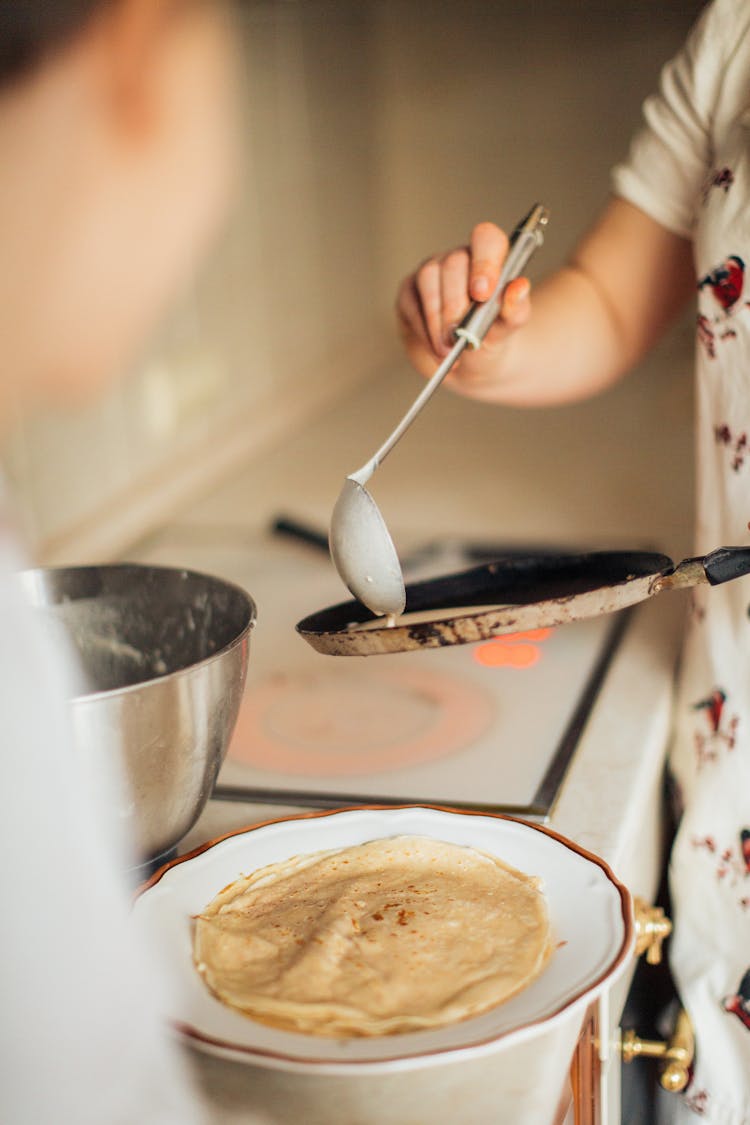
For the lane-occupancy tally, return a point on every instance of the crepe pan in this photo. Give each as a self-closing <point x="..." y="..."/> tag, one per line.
<point x="513" y="594"/>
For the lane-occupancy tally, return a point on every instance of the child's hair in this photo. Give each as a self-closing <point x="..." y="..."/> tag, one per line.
<point x="31" y="28"/>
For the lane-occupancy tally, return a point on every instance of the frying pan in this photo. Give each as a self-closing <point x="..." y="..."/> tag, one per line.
<point x="514" y="594"/>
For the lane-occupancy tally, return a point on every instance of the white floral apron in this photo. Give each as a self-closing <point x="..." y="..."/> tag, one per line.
<point x="710" y="863"/>
<point x="689" y="169"/>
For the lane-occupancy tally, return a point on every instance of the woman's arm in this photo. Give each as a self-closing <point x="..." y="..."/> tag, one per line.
<point x="587" y="325"/>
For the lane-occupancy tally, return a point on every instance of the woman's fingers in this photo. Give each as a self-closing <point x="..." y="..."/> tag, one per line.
<point x="429" y="291"/>
<point x="516" y="306"/>
<point x="454" y="280"/>
<point x="488" y="247"/>
<point x="435" y="299"/>
<point x="413" y="327"/>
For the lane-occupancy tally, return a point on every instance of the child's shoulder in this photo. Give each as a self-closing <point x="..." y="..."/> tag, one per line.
<point x="718" y="48"/>
<point x="725" y="20"/>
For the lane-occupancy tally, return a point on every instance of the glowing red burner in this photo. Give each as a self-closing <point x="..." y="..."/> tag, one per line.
<point x="514" y="650"/>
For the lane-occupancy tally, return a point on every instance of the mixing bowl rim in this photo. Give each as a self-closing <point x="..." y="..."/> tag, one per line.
<point x="187" y="572"/>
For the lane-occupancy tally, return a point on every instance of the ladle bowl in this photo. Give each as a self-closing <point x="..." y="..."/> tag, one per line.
<point x="362" y="549"/>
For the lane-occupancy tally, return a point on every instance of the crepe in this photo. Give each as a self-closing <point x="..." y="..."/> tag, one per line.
<point x="390" y="936"/>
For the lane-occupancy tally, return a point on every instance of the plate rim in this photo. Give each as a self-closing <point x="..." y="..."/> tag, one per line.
<point x="431" y="1056"/>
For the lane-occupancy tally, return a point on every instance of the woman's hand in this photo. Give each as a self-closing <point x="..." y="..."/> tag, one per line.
<point x="433" y="301"/>
<point x="593" y="318"/>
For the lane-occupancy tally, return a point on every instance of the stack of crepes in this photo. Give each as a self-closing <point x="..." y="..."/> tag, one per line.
<point x="389" y="936"/>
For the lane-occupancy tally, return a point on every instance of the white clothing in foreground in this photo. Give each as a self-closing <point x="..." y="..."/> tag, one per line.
<point x="82" y="1040"/>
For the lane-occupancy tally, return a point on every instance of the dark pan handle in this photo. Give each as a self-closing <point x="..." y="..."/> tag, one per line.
<point x="726" y="563"/>
<point x="299" y="530"/>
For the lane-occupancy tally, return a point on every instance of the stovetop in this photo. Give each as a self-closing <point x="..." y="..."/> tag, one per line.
<point x="490" y="727"/>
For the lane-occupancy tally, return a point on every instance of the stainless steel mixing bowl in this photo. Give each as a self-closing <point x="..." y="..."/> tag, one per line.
<point x="164" y="656"/>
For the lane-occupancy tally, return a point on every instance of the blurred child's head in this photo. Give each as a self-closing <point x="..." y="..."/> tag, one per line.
<point x="116" y="154"/>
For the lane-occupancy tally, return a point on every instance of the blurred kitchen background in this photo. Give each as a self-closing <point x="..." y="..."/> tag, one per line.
<point x="378" y="132"/>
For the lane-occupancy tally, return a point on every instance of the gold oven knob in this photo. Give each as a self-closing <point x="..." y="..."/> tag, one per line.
<point x="651" y="928"/>
<point x="677" y="1053"/>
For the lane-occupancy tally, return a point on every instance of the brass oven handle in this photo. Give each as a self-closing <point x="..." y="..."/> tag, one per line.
<point x="652" y="927"/>
<point x="678" y="1053"/>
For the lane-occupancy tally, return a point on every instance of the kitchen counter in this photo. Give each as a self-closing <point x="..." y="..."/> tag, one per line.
<point x="490" y="480"/>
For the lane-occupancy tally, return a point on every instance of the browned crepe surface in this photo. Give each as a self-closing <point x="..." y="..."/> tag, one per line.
<point x="390" y="936"/>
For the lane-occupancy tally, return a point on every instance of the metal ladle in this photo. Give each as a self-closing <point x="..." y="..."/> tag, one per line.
<point x="361" y="546"/>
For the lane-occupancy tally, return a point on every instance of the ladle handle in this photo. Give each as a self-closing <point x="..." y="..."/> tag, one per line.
<point x="363" y="475"/>
<point x="528" y="235"/>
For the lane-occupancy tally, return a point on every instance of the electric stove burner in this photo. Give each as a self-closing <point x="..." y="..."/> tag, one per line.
<point x="325" y="723"/>
<point x="489" y="726"/>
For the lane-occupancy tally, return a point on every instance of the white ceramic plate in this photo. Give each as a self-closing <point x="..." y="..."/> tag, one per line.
<point x="590" y="914"/>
